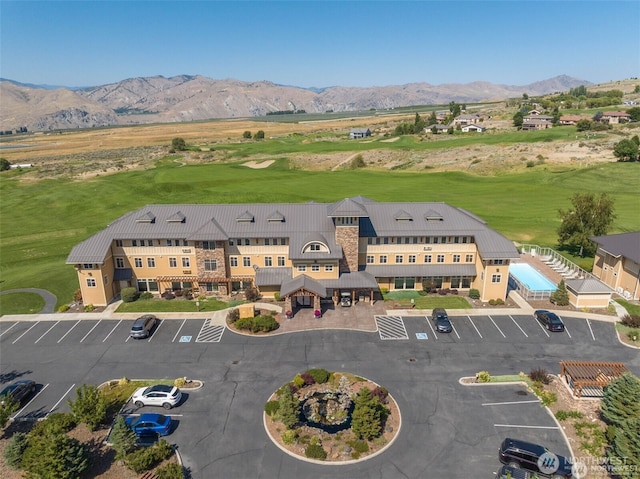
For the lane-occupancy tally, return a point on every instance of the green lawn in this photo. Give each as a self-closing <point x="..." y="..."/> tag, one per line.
<point x="20" y="303"/>
<point x="174" y="305"/>
<point x="403" y="298"/>
<point x="630" y="307"/>
<point x="40" y="222"/>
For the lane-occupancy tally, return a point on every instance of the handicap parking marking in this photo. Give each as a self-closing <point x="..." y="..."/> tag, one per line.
<point x="421" y="336"/>
<point x="391" y="327"/>
<point x="516" y="323"/>
<point x="178" y="332"/>
<point x="210" y="333"/>
<point x="185" y="339"/>
<point x="494" y="323"/>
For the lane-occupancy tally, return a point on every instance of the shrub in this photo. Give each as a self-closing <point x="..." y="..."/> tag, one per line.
<point x="60" y="421"/>
<point x="170" y="471"/>
<point x="77" y="295"/>
<point x="483" y="377"/>
<point x="562" y="415"/>
<point x="631" y="320"/>
<point x="271" y="407"/>
<point x="55" y="455"/>
<point x="492" y="302"/>
<point x="359" y="445"/>
<point x="251" y="294"/>
<point x="634" y="334"/>
<point x="560" y="296"/>
<point x="148" y="457"/>
<point x="122" y="438"/>
<point x="298" y="380"/>
<point x="315" y="451"/>
<point x="15" y="449"/>
<point x="233" y="315"/>
<point x="381" y="393"/>
<point x="308" y="379"/>
<point x="128" y="295"/>
<point x="547" y="398"/>
<point x="88" y="308"/>
<point x="320" y="376"/>
<point x="540" y="375"/>
<point x="289" y="436"/>
<point x="90" y="406"/>
<point x="64" y="308"/>
<point x="180" y="382"/>
<point x="276" y="297"/>
<point x="258" y="324"/>
<point x="499" y="302"/>
<point x="357" y="162"/>
<point x="474" y="293"/>
<point x="146" y="295"/>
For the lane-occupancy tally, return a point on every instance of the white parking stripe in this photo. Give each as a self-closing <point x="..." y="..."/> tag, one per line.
<point x="542" y="327"/>
<point x="32" y="399"/>
<point x="510" y="402"/>
<point x="45" y="333"/>
<point x="473" y="324"/>
<point x="156" y="330"/>
<point x="494" y="323"/>
<point x="431" y="327"/>
<point x="525" y="426"/>
<point x="9" y="328"/>
<point x="591" y="330"/>
<point x="69" y="331"/>
<point x="566" y="330"/>
<point x="60" y="400"/>
<point x="96" y="325"/>
<point x="179" y="329"/>
<point x="454" y="329"/>
<point x="114" y="328"/>
<point x="514" y="321"/>
<point x="18" y="338"/>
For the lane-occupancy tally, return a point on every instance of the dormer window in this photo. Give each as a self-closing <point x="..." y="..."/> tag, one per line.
<point x="148" y="217"/>
<point x="315" y="247"/>
<point x="245" y="217"/>
<point x="177" y="217"/>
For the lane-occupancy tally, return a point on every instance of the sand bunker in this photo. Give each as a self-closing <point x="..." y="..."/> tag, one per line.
<point x="258" y="165"/>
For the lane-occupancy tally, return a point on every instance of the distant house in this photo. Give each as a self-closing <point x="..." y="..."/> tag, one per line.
<point x="571" y="119"/>
<point x="615" y="117"/>
<point x="473" y="129"/>
<point x="467" y="119"/>
<point x="439" y="128"/>
<point x="617" y="263"/>
<point x="629" y="102"/>
<point x="535" y="112"/>
<point x="359" y="133"/>
<point x="540" y="123"/>
<point x="441" y="115"/>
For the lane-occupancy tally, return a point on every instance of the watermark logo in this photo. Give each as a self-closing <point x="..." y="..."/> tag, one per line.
<point x="548" y="463"/>
<point x="579" y="470"/>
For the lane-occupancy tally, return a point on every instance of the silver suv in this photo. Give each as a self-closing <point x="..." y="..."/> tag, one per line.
<point x="142" y="326"/>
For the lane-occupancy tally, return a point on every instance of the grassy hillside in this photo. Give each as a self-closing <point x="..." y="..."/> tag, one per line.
<point x="40" y="222"/>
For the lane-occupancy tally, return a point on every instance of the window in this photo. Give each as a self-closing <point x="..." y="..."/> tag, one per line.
<point x="169" y="243"/>
<point x="247" y="241"/>
<point x="208" y="245"/>
<point x="370" y="259"/>
<point x="302" y="268"/>
<point x="440" y="258"/>
<point x="230" y="241"/>
<point x="141" y="242"/>
<point x="267" y="241"/>
<point x="246" y="261"/>
<point x="147" y="285"/>
<point x="399" y="258"/>
<point x="91" y="282"/>
<point x="383" y="258"/>
<point x="173" y="262"/>
<point x="119" y="243"/>
<point x="280" y="260"/>
<point x="468" y="258"/>
<point x="210" y="265"/>
<point x="106" y="279"/>
<point x="314" y="247"/>
<point x="427" y="258"/>
<point x="496" y="278"/>
<point x="412" y="258"/>
<point x="151" y="262"/>
<point x="268" y="261"/>
<point x="186" y="263"/>
<point x="283" y="241"/>
<point x="233" y="261"/>
<point x="460" y="282"/>
<point x="456" y="258"/>
<point x="134" y="243"/>
<point x="87" y="266"/>
<point x="210" y="287"/>
<point x="315" y="268"/>
<point x="328" y="268"/>
<point x="119" y="263"/>
<point x="498" y="261"/>
<point x="138" y="262"/>
<point x="404" y="283"/>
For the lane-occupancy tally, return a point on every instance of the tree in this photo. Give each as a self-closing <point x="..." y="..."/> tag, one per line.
<point x="90" y="406"/>
<point x="626" y="444"/>
<point x="620" y="400"/>
<point x="626" y="150"/>
<point x="634" y="113"/>
<point x="454" y="108"/>
<point x="122" y="438"/>
<point x="4" y="164"/>
<point x="246" y="135"/>
<point x="289" y="410"/>
<point x="433" y="119"/>
<point x="598" y="116"/>
<point x="418" y="124"/>
<point x="560" y="296"/>
<point x="368" y="415"/>
<point x="259" y="135"/>
<point x="590" y="216"/>
<point x="518" y="119"/>
<point x="54" y="456"/>
<point x="7" y="409"/>
<point x="15" y="450"/>
<point x="583" y="125"/>
<point x="178" y="144"/>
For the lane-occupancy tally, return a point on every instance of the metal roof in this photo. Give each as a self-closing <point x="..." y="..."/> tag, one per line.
<point x="303" y="282"/>
<point x="623" y="244"/>
<point x="587" y="285"/>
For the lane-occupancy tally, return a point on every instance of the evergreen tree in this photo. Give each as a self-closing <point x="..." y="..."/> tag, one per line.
<point x="54" y="456"/>
<point x="368" y="415"/>
<point x="289" y="410"/>
<point x="122" y="438"/>
<point x="626" y="446"/>
<point x="621" y="401"/>
<point x="518" y="119"/>
<point x="90" y="406"/>
<point x="7" y="409"/>
<point x="560" y="296"/>
<point x="15" y="449"/>
<point x="433" y="119"/>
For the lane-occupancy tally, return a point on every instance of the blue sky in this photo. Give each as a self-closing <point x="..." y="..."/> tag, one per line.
<point x="320" y="43"/>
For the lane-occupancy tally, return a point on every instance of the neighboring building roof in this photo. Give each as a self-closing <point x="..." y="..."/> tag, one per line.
<point x="360" y="130"/>
<point x="623" y="244"/>
<point x="587" y="285"/>
<point x="619" y="114"/>
<point x="220" y="222"/>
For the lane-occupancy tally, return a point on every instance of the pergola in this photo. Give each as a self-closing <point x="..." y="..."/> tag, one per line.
<point x="593" y="375"/>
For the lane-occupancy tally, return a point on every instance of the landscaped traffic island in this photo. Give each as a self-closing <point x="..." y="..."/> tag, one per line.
<point x="331" y="417"/>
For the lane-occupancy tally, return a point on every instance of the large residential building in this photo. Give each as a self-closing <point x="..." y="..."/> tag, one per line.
<point x="305" y="252"/>
<point x="617" y="263"/>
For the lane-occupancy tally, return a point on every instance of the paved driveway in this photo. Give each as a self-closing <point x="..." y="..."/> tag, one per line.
<point x="448" y="430"/>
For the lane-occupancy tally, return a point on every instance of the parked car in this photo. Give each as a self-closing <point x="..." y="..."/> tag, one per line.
<point x="508" y="472"/>
<point x="345" y="299"/>
<point x="157" y="395"/>
<point x="525" y="455"/>
<point x="440" y="316"/>
<point x="142" y="326"/>
<point x="19" y="391"/>
<point x="149" y="424"/>
<point x="549" y="320"/>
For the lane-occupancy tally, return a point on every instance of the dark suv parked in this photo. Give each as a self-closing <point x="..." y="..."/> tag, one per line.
<point x="443" y="325"/>
<point x="526" y="455"/>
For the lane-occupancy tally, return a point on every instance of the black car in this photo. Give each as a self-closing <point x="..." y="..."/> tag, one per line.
<point x="142" y="326"/>
<point x="18" y="391"/>
<point x="549" y="320"/>
<point x="443" y="325"/>
<point x="535" y="458"/>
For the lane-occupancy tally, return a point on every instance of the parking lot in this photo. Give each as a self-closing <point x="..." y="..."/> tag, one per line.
<point x="219" y="428"/>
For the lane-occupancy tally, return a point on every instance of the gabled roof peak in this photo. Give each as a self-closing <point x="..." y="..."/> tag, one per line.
<point x="147" y="217"/>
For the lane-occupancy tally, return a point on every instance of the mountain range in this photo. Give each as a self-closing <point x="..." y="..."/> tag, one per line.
<point x="188" y="98"/>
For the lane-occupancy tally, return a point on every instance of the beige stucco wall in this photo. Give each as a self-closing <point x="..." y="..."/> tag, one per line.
<point x="589" y="300"/>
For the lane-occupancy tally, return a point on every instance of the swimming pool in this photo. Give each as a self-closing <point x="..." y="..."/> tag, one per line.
<point x="528" y="278"/>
